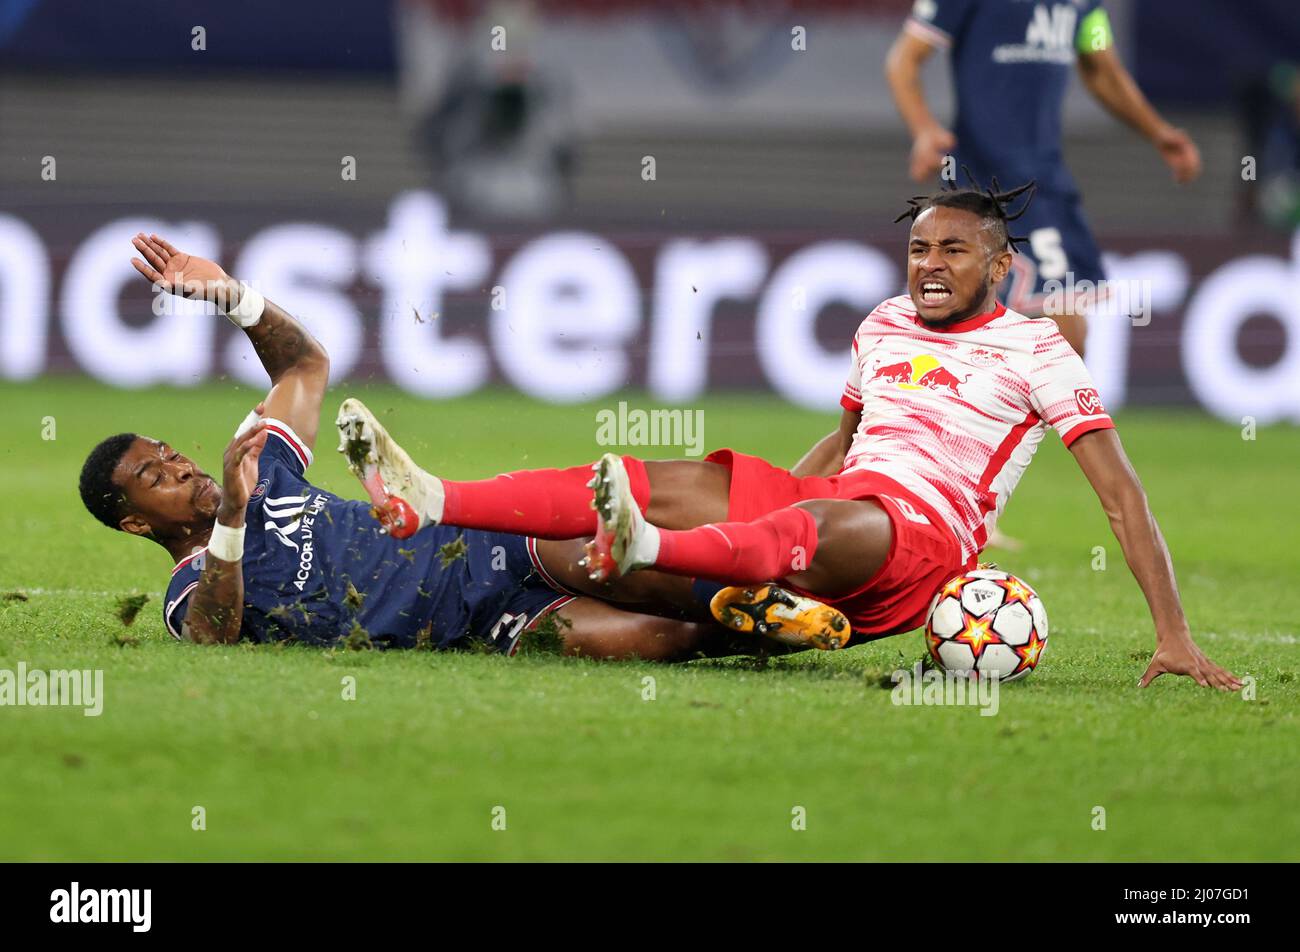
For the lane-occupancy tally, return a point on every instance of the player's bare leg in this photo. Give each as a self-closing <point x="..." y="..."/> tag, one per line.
<point x="655" y="593"/>
<point x="686" y="493"/>
<point x="756" y="610"/>
<point x="593" y="629"/>
<point x="827" y="547"/>
<point x="547" y="504"/>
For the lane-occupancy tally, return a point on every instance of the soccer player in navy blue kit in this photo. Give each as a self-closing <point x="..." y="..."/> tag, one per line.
<point x="267" y="556"/>
<point x="1011" y="61"/>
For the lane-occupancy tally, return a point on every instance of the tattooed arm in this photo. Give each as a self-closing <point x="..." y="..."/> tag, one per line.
<point x="296" y="363"/>
<point x="298" y="367"/>
<point x="216" y="609"/>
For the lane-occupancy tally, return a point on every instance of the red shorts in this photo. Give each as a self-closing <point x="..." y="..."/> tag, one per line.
<point x="923" y="552"/>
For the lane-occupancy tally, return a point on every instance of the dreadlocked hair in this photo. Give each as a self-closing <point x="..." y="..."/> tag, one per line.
<point x="991" y="204"/>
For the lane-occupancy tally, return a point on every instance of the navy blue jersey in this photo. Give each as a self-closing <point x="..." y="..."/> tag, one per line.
<point x="1059" y="243"/>
<point x="1011" y="64"/>
<point x="317" y="569"/>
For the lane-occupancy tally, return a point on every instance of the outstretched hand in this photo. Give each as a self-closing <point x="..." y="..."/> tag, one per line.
<point x="186" y="275"/>
<point x="1182" y="656"/>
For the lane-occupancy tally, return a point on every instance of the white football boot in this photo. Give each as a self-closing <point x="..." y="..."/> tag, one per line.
<point x="624" y="541"/>
<point x="404" y="497"/>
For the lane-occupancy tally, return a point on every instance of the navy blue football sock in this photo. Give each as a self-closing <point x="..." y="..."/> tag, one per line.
<point x="704" y="589"/>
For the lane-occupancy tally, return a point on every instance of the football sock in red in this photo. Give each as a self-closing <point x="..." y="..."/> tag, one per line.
<point x="742" y="553"/>
<point x="546" y="503"/>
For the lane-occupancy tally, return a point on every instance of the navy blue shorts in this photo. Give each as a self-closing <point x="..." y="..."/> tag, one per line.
<point x="503" y="604"/>
<point x="1059" y="249"/>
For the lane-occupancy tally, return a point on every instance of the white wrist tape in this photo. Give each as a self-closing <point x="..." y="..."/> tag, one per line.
<point x="249" y="309"/>
<point x="226" y="544"/>
<point x="249" y="422"/>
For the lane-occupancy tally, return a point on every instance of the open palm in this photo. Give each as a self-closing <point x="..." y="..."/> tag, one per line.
<point x="177" y="272"/>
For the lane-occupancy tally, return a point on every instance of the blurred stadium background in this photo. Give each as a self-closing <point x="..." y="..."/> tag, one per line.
<point x="500" y="226"/>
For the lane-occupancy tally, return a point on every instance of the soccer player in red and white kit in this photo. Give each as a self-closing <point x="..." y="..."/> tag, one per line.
<point x="948" y="397"/>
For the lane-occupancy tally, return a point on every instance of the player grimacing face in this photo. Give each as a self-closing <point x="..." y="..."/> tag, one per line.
<point x="952" y="268"/>
<point x="167" y="494"/>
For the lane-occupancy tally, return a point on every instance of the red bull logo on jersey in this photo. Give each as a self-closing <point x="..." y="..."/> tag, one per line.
<point x="900" y="372"/>
<point x="923" y="372"/>
<point x="983" y="357"/>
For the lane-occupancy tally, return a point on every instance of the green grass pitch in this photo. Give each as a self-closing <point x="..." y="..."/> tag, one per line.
<point x="714" y="767"/>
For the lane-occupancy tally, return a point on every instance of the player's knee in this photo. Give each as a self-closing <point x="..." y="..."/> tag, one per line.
<point x="852" y="541"/>
<point x="827" y="522"/>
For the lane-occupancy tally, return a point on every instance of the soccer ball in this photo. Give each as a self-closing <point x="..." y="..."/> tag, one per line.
<point x="987" y="621"/>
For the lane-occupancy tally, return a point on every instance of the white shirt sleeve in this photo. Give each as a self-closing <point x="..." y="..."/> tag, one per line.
<point x="1061" y="390"/>
<point x="851" y="399"/>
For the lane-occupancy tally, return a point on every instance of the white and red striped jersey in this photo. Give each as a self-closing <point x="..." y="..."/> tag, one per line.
<point x="955" y="414"/>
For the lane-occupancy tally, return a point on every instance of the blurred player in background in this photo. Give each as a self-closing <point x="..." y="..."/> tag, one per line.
<point x="1011" y="61"/>
<point x="1270" y="115"/>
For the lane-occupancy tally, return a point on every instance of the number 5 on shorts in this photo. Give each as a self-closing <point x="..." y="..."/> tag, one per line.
<point x="1045" y="243"/>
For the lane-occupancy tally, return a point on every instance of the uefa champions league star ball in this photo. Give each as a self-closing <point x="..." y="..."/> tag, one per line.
<point x="987" y="621"/>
